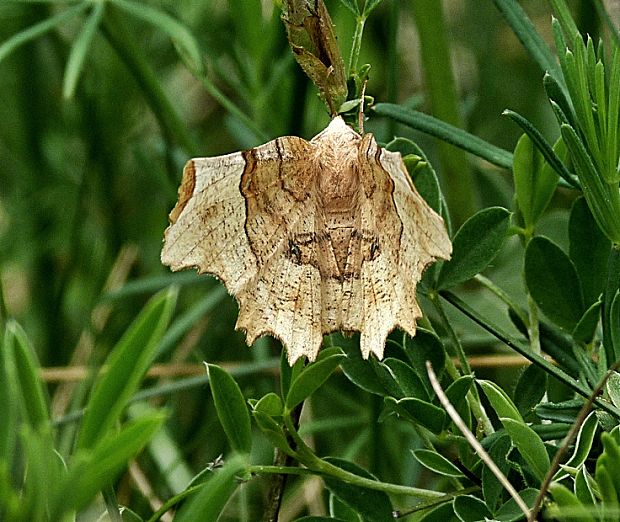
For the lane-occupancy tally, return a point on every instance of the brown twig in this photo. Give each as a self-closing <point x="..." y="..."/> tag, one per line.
<point x="278" y="481"/>
<point x="77" y="373"/>
<point x="473" y="441"/>
<point x="555" y="464"/>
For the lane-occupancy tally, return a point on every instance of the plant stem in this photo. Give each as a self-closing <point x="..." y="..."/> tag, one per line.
<point x="473" y="399"/>
<point x="534" y="358"/>
<point x="357" y="43"/>
<point x="441" y="90"/>
<point x="490" y="285"/>
<point x="308" y="458"/>
<point x="471" y="439"/>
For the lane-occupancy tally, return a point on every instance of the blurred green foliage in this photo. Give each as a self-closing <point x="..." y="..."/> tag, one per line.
<point x="98" y="116"/>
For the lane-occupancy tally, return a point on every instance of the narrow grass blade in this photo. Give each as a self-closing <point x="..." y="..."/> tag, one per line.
<point x="79" y="50"/>
<point x="544" y="147"/>
<point x="523" y="27"/>
<point x="24" y="367"/>
<point x="39" y="29"/>
<point x="446" y="132"/>
<point x="127" y="365"/>
<point x="183" y="38"/>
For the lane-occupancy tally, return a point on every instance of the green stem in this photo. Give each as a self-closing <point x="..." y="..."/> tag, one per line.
<point x="473" y="399"/>
<point x="357" y="44"/>
<point x="490" y="285"/>
<point x="121" y="40"/>
<point x="171" y="502"/>
<point x="309" y="459"/>
<point x="439" y="500"/>
<point x="279" y="470"/>
<point x="440" y="87"/>
<point x="541" y="362"/>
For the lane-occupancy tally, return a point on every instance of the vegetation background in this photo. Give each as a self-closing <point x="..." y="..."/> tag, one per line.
<point x="89" y="169"/>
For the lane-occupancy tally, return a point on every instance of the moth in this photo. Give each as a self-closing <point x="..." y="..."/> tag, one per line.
<point x="311" y="237"/>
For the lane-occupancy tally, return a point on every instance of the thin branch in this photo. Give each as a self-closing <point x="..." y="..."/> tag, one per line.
<point x="471" y="438"/>
<point x="555" y="464"/>
<point x="60" y="374"/>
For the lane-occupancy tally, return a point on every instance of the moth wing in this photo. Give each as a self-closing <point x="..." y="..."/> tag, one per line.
<point x="284" y="299"/>
<point x="207" y="224"/>
<point x="409" y="235"/>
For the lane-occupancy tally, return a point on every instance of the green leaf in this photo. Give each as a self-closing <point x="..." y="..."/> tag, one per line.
<point x="231" y="409"/>
<point x="424" y="177"/>
<point x="126" y="366"/>
<point x="94" y="468"/>
<point x="34" y="31"/>
<point x="8" y="395"/>
<point x="339" y="510"/>
<point x="530" y="389"/>
<point x="273" y="431"/>
<point x="603" y="199"/>
<point x="470" y="509"/>
<point x="545" y="181"/>
<point x="23" y="370"/>
<point x="529" y="444"/>
<point x="360" y="372"/>
<point x="553" y="282"/>
<point x="407" y="379"/>
<point x="419" y="412"/>
<point x="566" y="411"/>
<point x="500" y="401"/>
<point x="586" y="327"/>
<point x="566" y="499"/>
<point x="614" y="323"/>
<point x="534" y="44"/>
<point x="79" y="50"/>
<point x="181" y="36"/>
<point x="583" y="445"/>
<point x="209" y="502"/>
<point x="534" y="181"/>
<point x="613" y="388"/>
<point x="443" y="513"/>
<point x="474" y="246"/>
<point x="373" y="505"/>
<point x="437" y="463"/>
<point x="510" y="512"/>
<point x="270" y="404"/>
<point x="558" y="98"/>
<point x="491" y="487"/>
<point x="588" y="249"/>
<point x="44" y="470"/>
<point x="583" y="487"/>
<point x="446" y="132"/>
<point x="425" y="346"/>
<point x="311" y="378"/>
<point x="457" y="395"/>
